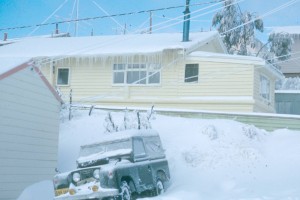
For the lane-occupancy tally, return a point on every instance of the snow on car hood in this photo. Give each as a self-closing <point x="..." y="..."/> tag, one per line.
<point x="103" y="155"/>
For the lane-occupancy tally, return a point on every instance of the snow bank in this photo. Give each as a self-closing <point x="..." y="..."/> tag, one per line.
<point x="208" y="159"/>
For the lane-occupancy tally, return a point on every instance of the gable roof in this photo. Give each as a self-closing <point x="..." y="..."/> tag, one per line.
<point x="106" y="45"/>
<point x="11" y="65"/>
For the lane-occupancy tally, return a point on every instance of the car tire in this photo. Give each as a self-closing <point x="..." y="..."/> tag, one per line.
<point x="125" y="191"/>
<point x="159" y="187"/>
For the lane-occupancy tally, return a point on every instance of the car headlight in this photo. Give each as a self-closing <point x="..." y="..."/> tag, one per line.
<point x="76" y="177"/>
<point x="96" y="174"/>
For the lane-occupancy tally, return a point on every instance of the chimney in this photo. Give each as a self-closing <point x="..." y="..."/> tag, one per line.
<point x="186" y="23"/>
<point x="56" y="29"/>
<point x="5" y="37"/>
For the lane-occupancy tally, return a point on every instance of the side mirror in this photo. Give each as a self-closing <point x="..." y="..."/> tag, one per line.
<point x="56" y="170"/>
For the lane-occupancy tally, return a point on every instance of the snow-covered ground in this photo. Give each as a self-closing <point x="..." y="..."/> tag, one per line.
<point x="208" y="159"/>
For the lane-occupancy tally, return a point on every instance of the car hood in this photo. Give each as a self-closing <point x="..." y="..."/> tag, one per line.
<point x="101" y="157"/>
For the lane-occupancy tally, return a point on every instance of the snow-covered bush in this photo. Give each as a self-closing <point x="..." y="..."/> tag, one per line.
<point x="211" y="132"/>
<point x="288" y="84"/>
<point x="131" y="120"/>
<point x="250" y="131"/>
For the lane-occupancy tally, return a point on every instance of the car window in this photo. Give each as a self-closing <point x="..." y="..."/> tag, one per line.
<point x="139" y="149"/>
<point x="153" y="147"/>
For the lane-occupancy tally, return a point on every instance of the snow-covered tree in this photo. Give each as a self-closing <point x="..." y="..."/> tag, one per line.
<point x="238" y="31"/>
<point x="237" y="27"/>
<point x="281" y="45"/>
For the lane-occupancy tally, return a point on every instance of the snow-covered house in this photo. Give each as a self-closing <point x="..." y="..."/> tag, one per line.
<point x="291" y="67"/>
<point x="153" y="69"/>
<point x="29" y="126"/>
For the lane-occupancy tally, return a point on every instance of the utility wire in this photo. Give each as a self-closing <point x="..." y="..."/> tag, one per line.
<point x="53" y="13"/>
<point x="105" y="16"/>
<point x="281" y="7"/>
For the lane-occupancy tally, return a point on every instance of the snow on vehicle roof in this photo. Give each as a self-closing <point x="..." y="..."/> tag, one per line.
<point x="123" y="135"/>
<point x="103" y="45"/>
<point x="286" y="29"/>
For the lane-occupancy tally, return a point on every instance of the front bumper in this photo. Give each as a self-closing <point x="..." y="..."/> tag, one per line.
<point x="85" y="192"/>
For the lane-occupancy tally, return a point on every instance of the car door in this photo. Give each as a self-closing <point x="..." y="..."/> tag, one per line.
<point x="143" y="165"/>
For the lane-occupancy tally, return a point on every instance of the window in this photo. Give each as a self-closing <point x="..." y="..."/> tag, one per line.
<point x="119" y="71"/>
<point x="136" y="74"/>
<point x="139" y="149"/>
<point x="63" y="76"/>
<point x="264" y="89"/>
<point x="153" y="147"/>
<point x="191" y="73"/>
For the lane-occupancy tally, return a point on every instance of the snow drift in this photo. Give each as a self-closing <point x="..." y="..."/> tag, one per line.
<point x="208" y="159"/>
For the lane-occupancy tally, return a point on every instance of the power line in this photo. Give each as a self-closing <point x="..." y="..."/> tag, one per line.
<point x="105" y="16"/>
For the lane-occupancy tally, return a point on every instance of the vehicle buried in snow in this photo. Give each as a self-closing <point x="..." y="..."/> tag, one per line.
<point x="122" y="166"/>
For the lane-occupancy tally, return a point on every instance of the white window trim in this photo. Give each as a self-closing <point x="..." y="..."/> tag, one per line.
<point x="147" y="69"/>
<point x="194" y="82"/>
<point x="260" y="88"/>
<point x="68" y="76"/>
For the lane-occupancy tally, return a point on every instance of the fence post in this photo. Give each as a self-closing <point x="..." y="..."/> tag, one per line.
<point x="70" y="105"/>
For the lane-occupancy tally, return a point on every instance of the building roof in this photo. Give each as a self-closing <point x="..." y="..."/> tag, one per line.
<point x="11" y="65"/>
<point x="294" y="30"/>
<point x="104" y="45"/>
<point x="13" y="40"/>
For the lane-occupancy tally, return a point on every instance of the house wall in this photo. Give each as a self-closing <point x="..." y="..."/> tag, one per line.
<point x="222" y="86"/>
<point x="29" y="126"/>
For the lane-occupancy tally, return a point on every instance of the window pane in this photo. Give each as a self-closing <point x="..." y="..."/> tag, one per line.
<point x="119" y="66"/>
<point x="136" y="77"/>
<point x="139" y="149"/>
<point x="191" y="73"/>
<point x="264" y="87"/>
<point x="118" y="77"/>
<point x="63" y="77"/>
<point x="154" y="77"/>
<point x="136" y="66"/>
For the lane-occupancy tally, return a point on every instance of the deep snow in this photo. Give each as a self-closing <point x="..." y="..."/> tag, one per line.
<point x="208" y="159"/>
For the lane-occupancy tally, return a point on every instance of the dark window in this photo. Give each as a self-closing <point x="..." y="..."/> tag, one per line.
<point x="191" y="73"/>
<point x="63" y="76"/>
<point x="139" y="149"/>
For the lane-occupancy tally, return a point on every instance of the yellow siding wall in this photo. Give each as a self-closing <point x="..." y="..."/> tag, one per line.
<point x="221" y="86"/>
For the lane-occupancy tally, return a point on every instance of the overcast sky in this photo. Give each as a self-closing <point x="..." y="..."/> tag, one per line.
<point x="14" y="13"/>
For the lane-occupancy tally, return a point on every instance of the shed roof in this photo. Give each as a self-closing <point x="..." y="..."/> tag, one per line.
<point x="12" y="65"/>
<point x="103" y="45"/>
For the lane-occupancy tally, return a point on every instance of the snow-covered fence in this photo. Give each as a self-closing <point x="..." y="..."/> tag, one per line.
<point x="267" y="121"/>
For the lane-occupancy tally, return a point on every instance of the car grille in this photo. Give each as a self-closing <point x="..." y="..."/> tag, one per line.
<point x="86" y="176"/>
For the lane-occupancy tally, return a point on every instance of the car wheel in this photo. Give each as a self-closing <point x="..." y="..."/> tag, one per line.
<point x="160" y="188"/>
<point x="125" y="191"/>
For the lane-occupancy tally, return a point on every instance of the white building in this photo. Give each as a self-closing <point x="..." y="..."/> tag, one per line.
<point x="29" y="127"/>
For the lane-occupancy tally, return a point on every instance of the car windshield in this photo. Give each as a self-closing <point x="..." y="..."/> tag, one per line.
<point x="105" y="147"/>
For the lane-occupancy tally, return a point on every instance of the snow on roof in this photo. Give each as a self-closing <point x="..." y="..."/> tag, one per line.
<point x="236" y="59"/>
<point x="123" y="135"/>
<point x="8" y="63"/>
<point x="286" y="29"/>
<point x="99" y="45"/>
<point x="203" y="54"/>
<point x="13" y="40"/>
